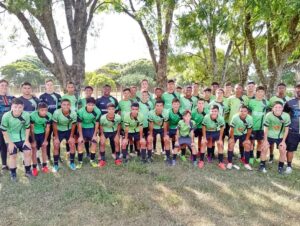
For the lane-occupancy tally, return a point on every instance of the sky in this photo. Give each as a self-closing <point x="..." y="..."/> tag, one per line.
<point x="119" y="40"/>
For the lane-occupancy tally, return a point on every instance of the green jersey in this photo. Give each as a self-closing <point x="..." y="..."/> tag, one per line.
<point x="206" y="106"/>
<point x="213" y="125"/>
<point x="82" y="103"/>
<point x="258" y="109"/>
<point x="158" y="120"/>
<point x="198" y="117"/>
<point x="73" y="100"/>
<point x="64" y="122"/>
<point x="125" y="106"/>
<point x="40" y="123"/>
<point x="223" y="106"/>
<point x="168" y="98"/>
<point x="240" y="126"/>
<point x="174" y="118"/>
<point x="234" y="104"/>
<point x="139" y="96"/>
<point x="15" y="126"/>
<point x="88" y="119"/>
<point x="145" y="108"/>
<point x="133" y="124"/>
<point x="188" y="103"/>
<point x="185" y="129"/>
<point x="274" y="99"/>
<point x="110" y="125"/>
<point x="276" y="124"/>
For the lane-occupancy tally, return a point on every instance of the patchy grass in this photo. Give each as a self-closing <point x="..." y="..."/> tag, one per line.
<point x="152" y="194"/>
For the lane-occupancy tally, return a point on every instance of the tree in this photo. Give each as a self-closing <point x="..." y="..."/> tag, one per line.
<point x="155" y="19"/>
<point x="98" y="80"/>
<point x="38" y="18"/>
<point x="28" y="69"/>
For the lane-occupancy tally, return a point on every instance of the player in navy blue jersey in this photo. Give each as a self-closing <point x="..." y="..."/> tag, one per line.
<point x="30" y="102"/>
<point x="102" y="102"/>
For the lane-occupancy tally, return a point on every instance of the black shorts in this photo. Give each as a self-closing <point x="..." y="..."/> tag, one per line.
<point x="226" y="130"/>
<point x="110" y="135"/>
<point x="145" y="132"/>
<point x="134" y="136"/>
<point x="292" y="141"/>
<point x="185" y="141"/>
<point x="172" y="132"/>
<point x="240" y="138"/>
<point x="198" y="132"/>
<point x="88" y="133"/>
<point x="215" y="135"/>
<point x="39" y="139"/>
<point x="64" y="135"/>
<point x="274" y="141"/>
<point x="158" y="131"/>
<point x="19" y="146"/>
<point x="257" y="135"/>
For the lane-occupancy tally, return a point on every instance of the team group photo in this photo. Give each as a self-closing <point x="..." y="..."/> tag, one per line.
<point x="165" y="112"/>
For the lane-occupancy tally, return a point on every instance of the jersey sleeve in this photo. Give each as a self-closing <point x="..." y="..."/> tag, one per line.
<point x="166" y="116"/>
<point x="250" y="122"/>
<point x="79" y="116"/>
<point x="233" y="123"/>
<point x="150" y="116"/>
<point x="49" y="118"/>
<point x="27" y="121"/>
<point x="287" y="121"/>
<point x="55" y="116"/>
<point x="204" y="122"/>
<point x="74" y="117"/>
<point x="221" y="121"/>
<point x="4" y="122"/>
<point x="267" y="120"/>
<point x="32" y="117"/>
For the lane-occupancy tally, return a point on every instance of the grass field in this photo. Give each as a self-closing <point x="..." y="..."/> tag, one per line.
<point x="152" y="194"/>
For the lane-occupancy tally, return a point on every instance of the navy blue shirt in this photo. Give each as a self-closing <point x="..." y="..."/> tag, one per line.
<point x="102" y="102"/>
<point x="30" y="105"/>
<point x="5" y="104"/>
<point x="293" y="108"/>
<point x="52" y="100"/>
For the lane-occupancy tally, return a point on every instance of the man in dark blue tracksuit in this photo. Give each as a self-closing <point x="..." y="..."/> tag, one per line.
<point x="5" y="105"/>
<point x="293" y="108"/>
<point x="102" y="102"/>
<point x="53" y="101"/>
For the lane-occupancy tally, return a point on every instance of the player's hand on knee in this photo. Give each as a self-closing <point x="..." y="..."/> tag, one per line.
<point x="56" y="141"/>
<point x="71" y="141"/>
<point x="10" y="148"/>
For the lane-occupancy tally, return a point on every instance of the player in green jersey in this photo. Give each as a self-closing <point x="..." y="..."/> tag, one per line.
<point x="185" y="137"/>
<point x="220" y="102"/>
<point x="125" y="103"/>
<point x="240" y="130"/>
<point x="276" y="129"/>
<point x="179" y="90"/>
<point x="214" y="86"/>
<point x="88" y="92"/>
<point x="258" y="107"/>
<point x="64" y="124"/>
<point x="197" y="116"/>
<point x="212" y="131"/>
<point x="133" y="130"/>
<point x="145" y="87"/>
<point x="40" y="121"/>
<point x="15" y="126"/>
<point x="188" y="102"/>
<point x="110" y="127"/>
<point x="158" y="94"/>
<point x="170" y="94"/>
<point x="227" y="89"/>
<point x="88" y="124"/>
<point x="196" y="90"/>
<point x="250" y="90"/>
<point x="70" y="95"/>
<point x="133" y="94"/>
<point x="158" y="124"/>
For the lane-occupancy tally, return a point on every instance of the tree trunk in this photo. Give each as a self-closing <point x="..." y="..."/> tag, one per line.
<point x="225" y="63"/>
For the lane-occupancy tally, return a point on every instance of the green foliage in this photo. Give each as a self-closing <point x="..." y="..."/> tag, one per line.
<point x="134" y="79"/>
<point x="29" y="69"/>
<point x="98" y="80"/>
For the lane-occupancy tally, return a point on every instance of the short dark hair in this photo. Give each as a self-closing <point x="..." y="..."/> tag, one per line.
<point x="145" y="91"/>
<point x="159" y="102"/>
<point x="126" y="89"/>
<point x="189" y="87"/>
<point x="187" y="112"/>
<point x="3" y="81"/>
<point x="196" y="83"/>
<point x="42" y="105"/>
<point x="158" y="88"/>
<point x="260" y="88"/>
<point x="215" y="84"/>
<point x="145" y="80"/>
<point x="281" y="84"/>
<point x="201" y="99"/>
<point x="17" y="101"/>
<point x="244" y="106"/>
<point x="221" y="90"/>
<point x="207" y="90"/>
<point x="26" y="84"/>
<point x="107" y="85"/>
<point x="71" y="83"/>
<point x="278" y="102"/>
<point x="89" y="87"/>
<point x="110" y="105"/>
<point x="214" y="106"/>
<point x="250" y="82"/>
<point x="90" y="100"/>
<point x="175" y="100"/>
<point x="178" y="87"/>
<point x="49" y="80"/>
<point x="65" y="100"/>
<point x="228" y="84"/>
<point x="171" y="81"/>
<point x="135" y="104"/>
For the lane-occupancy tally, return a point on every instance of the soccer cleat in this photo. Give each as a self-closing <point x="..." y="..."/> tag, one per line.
<point x="229" y="166"/>
<point x="222" y="166"/>
<point x="173" y="162"/>
<point x="55" y="168"/>
<point x="101" y="163"/>
<point x="288" y="170"/>
<point x="248" y="167"/>
<point x="209" y="159"/>
<point x="242" y="160"/>
<point x="28" y="174"/>
<point x="200" y="164"/>
<point x="262" y="169"/>
<point x="79" y="165"/>
<point x="118" y="162"/>
<point x="93" y="164"/>
<point x="13" y="178"/>
<point x="270" y="161"/>
<point x="88" y="155"/>
<point x="195" y="163"/>
<point x="168" y="161"/>
<point x="35" y="172"/>
<point x="4" y="168"/>
<point x="72" y="166"/>
<point x="150" y="160"/>
<point x="45" y="169"/>
<point x="251" y="161"/>
<point x="280" y="170"/>
<point x="113" y="156"/>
